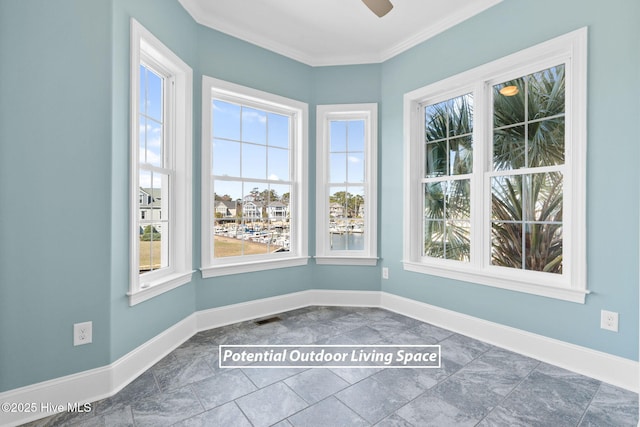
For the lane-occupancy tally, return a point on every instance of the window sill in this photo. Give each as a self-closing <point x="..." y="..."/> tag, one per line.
<point x="346" y="260"/>
<point x="511" y="282"/>
<point x="159" y="286"/>
<point x="252" y="266"/>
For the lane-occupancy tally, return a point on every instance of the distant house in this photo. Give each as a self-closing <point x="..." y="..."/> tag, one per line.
<point x="150" y="205"/>
<point x="225" y="209"/>
<point x="336" y="210"/>
<point x="361" y="211"/>
<point x="277" y="211"/>
<point x="252" y="210"/>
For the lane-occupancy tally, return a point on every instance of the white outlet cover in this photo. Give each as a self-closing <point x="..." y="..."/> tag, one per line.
<point x="82" y="333"/>
<point x="609" y="320"/>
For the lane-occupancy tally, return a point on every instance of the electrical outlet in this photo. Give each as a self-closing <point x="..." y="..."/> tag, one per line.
<point x="609" y="320"/>
<point x="82" y="333"/>
<point x="385" y="272"/>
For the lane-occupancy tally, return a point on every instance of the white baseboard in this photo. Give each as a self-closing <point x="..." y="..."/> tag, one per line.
<point x="605" y="367"/>
<point x="228" y="314"/>
<point x="96" y="384"/>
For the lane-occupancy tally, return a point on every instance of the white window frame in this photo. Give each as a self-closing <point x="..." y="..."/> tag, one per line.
<point x="147" y="49"/>
<point x="324" y="115"/>
<point x="298" y="163"/>
<point x="571" y="285"/>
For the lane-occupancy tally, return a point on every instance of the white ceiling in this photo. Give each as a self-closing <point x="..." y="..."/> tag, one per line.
<point x="333" y="32"/>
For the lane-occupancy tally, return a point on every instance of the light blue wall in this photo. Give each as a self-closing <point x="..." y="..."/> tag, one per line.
<point x="612" y="207"/>
<point x="55" y="139"/>
<point x="64" y="135"/>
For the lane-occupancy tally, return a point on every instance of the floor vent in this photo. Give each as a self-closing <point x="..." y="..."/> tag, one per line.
<point x="268" y="320"/>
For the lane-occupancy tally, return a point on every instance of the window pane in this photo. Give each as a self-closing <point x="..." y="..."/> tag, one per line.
<point x="457" y="240"/>
<point x="142" y="140"/>
<point x="546" y="197"/>
<point x="434" y="200"/>
<point x="458" y="199"/>
<point x="547" y="92"/>
<point x="543" y="243"/>
<point x="254" y="161"/>
<point x="434" y="239"/>
<point x="346" y="219"/>
<point x="154" y="96"/>
<point x="254" y="126"/>
<point x="436" y="159"/>
<point x="338" y="167"/>
<point x="509" y="148"/>
<point x="226" y="120"/>
<point x="355" y="167"/>
<point x="461" y="115"/>
<point x="279" y="218"/>
<point x="278" y="164"/>
<point x="154" y="143"/>
<point x="226" y="158"/>
<point x="506" y="244"/>
<point x="142" y="106"/>
<point x="337" y="136"/>
<point x="460" y="156"/>
<point x="509" y="103"/>
<point x="506" y="198"/>
<point x="546" y="142"/>
<point x="278" y="130"/>
<point x="436" y="121"/>
<point x="356" y="135"/>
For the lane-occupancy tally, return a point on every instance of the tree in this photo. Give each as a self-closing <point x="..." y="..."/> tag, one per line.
<point x="527" y="208"/>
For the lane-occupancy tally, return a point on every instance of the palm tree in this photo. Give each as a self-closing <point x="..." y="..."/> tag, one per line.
<point x="449" y="125"/>
<point x="527" y="208"/>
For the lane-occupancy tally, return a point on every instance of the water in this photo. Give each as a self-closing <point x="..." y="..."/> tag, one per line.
<point x="342" y="242"/>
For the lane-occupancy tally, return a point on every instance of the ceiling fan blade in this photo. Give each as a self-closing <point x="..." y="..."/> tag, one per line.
<point x="379" y="7"/>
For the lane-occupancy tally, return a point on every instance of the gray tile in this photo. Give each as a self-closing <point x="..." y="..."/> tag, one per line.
<point x="408" y="322"/>
<point x="64" y="419"/>
<point x="482" y="376"/>
<point x="223" y="387"/>
<point x="363" y="335"/>
<point x="409" y="383"/>
<point x="283" y="423"/>
<point x="354" y="375"/>
<point x="327" y="413"/>
<point x="263" y="377"/>
<point x="612" y="406"/>
<point x="371" y="400"/>
<point x="270" y="404"/>
<point x="518" y="364"/>
<point x="470" y="391"/>
<point x="176" y="373"/>
<point x="396" y="332"/>
<point x="431" y="332"/>
<point x="314" y="385"/>
<point x="462" y="349"/>
<point x="394" y="420"/>
<point x="226" y="415"/>
<point x="430" y="411"/>
<point x="121" y="417"/>
<point x="544" y="400"/>
<point x="166" y="408"/>
<point x="143" y="386"/>
<point x="302" y="335"/>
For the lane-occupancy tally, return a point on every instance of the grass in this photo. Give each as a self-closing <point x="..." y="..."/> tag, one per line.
<point x="223" y="247"/>
<point x="149" y="255"/>
<point x="228" y="246"/>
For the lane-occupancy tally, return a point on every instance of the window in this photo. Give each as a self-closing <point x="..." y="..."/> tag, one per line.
<point x="346" y="184"/>
<point x="254" y="180"/>
<point x="495" y="181"/>
<point x="160" y="167"/>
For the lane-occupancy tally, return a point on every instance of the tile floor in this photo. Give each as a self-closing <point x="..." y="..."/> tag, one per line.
<point x="477" y="385"/>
